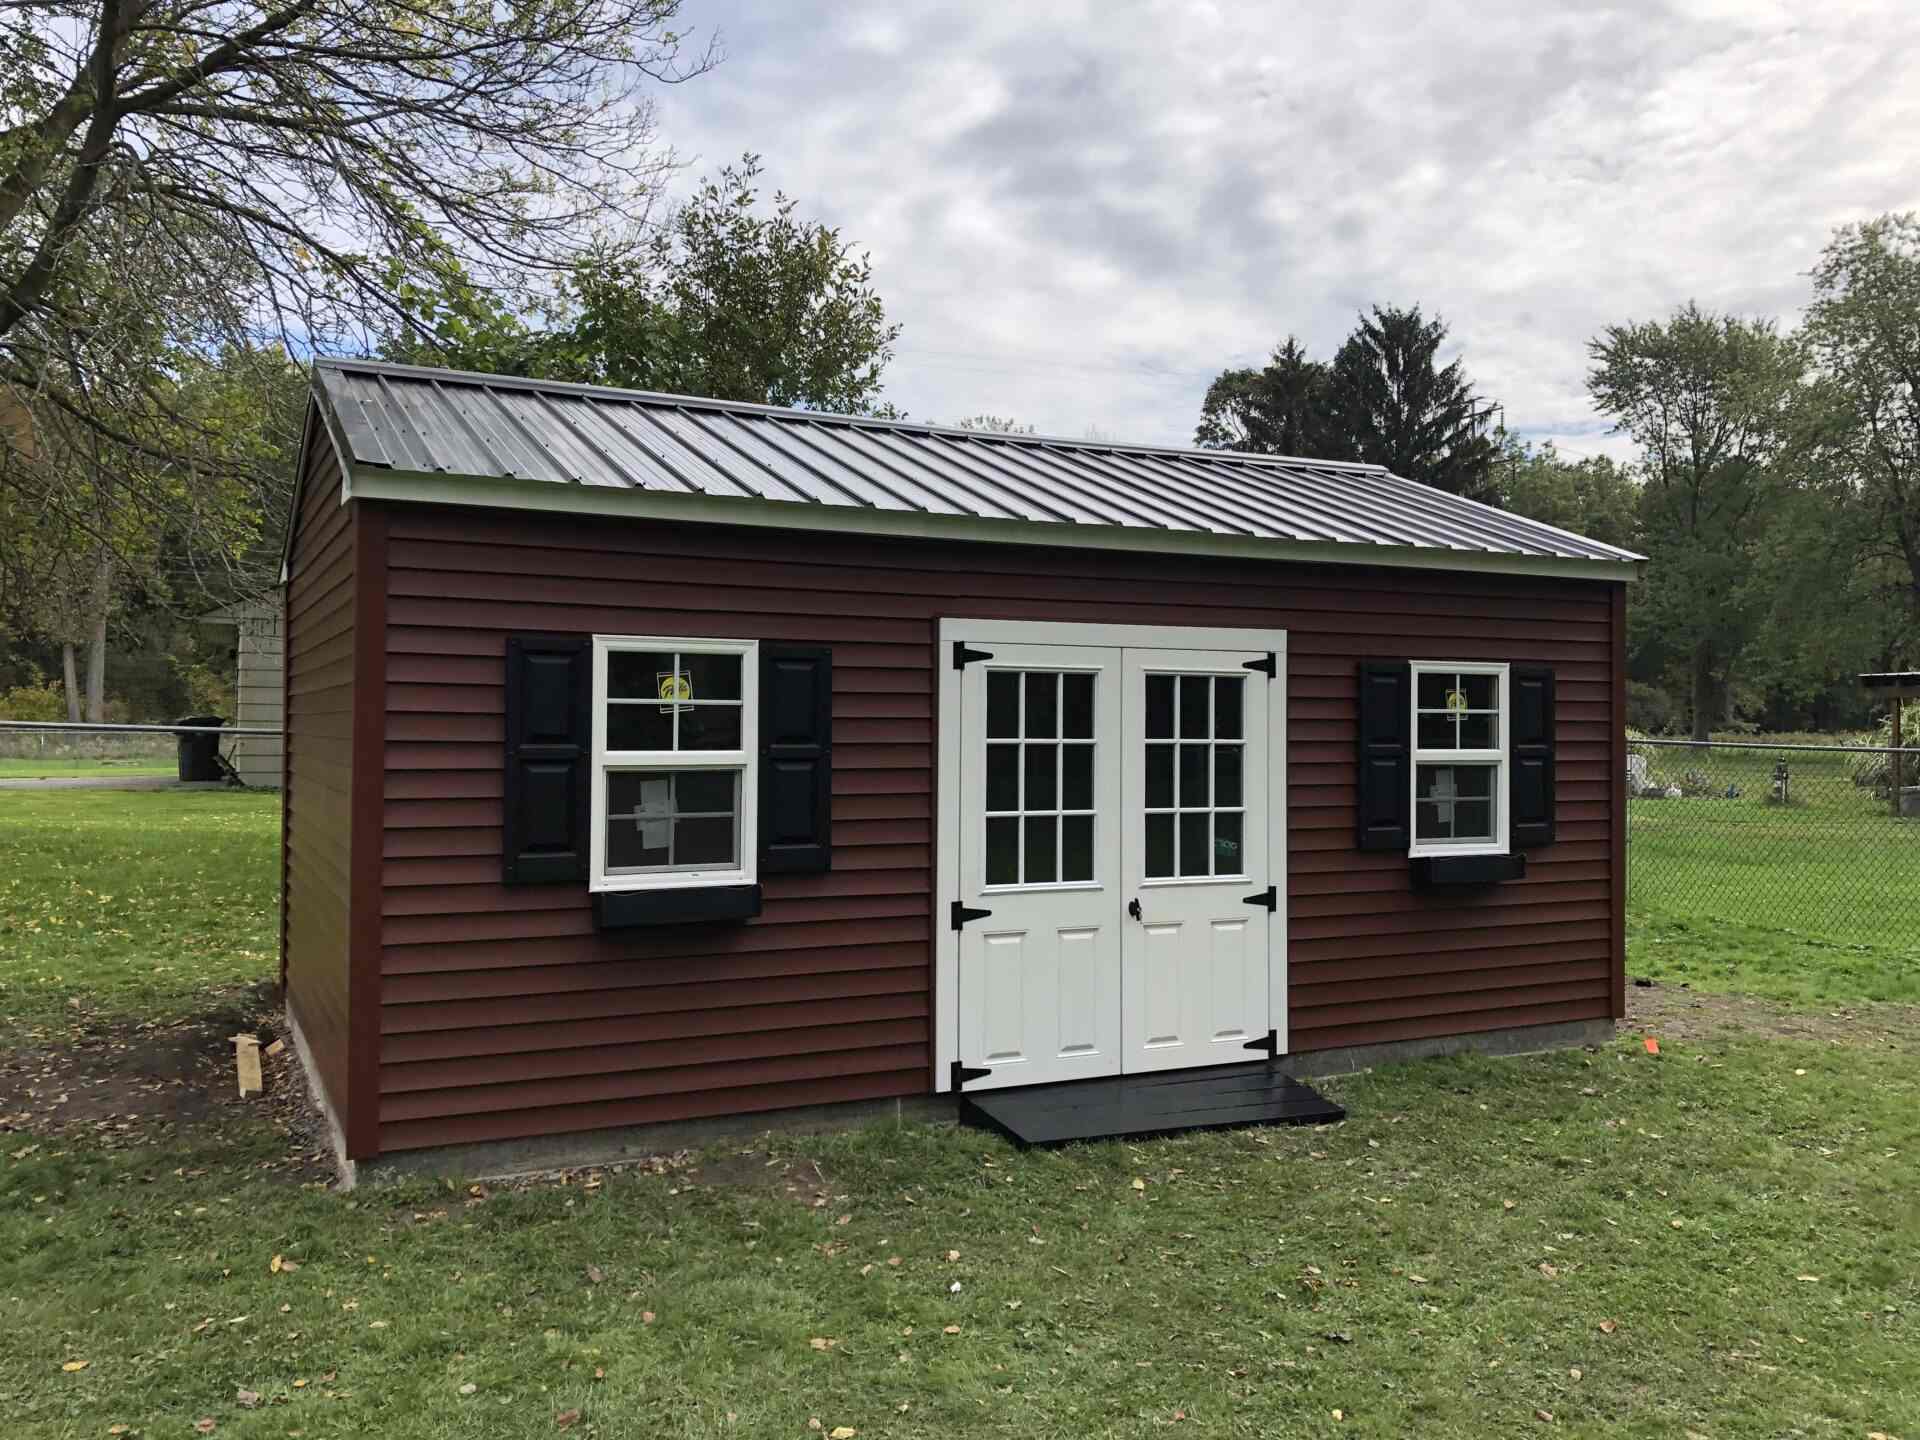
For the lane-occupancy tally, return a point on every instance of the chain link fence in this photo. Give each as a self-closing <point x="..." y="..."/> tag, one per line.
<point x="1808" y="839"/>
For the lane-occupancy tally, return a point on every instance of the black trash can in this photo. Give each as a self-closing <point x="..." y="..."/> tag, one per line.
<point x="199" y="751"/>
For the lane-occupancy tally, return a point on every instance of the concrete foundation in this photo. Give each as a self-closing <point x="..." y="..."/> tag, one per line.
<point x="505" y="1158"/>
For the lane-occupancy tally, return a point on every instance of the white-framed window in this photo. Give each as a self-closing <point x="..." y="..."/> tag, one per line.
<point x="1459" y="758"/>
<point x="675" y="747"/>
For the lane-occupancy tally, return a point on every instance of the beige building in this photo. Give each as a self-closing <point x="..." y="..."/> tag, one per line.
<point x="259" y="685"/>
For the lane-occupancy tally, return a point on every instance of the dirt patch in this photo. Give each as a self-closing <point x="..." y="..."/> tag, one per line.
<point x="126" y="1084"/>
<point x="1677" y="1013"/>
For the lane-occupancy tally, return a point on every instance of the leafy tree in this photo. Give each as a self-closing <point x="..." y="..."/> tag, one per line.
<point x="1710" y="401"/>
<point x="994" y="425"/>
<point x="1864" y="329"/>
<point x="1279" y="409"/>
<point x="1594" y="497"/>
<point x="1391" y="403"/>
<point x="725" y="299"/>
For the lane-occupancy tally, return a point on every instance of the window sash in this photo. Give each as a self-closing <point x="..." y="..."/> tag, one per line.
<point x="1492" y="758"/>
<point x="743" y="762"/>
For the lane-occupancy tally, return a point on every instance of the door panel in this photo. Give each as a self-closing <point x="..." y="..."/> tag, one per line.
<point x="1195" y="967"/>
<point x="1039" y="974"/>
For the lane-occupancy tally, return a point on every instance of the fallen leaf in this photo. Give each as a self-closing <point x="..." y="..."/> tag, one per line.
<point x="118" y="1429"/>
<point x="842" y="1432"/>
<point x="595" y="1275"/>
<point x="813" y="1422"/>
<point x="1653" y="1046"/>
<point x="1418" y="1279"/>
<point x="73" y="1365"/>
<point x="953" y="1255"/>
<point x="1574" y="1373"/>
<point x="247" y="1399"/>
<point x="273" y="1265"/>
<point x="1015" y="1304"/>
<point x="566" y="1418"/>
<point x="1339" y="1414"/>
<point x="1544" y="1416"/>
<point x="205" y="1425"/>
<point x="1506" y="1204"/>
<point x="646" y="1317"/>
<point x="1607" y="1327"/>
<point x="820" y="1342"/>
<point x="1549" y="1271"/>
<point x="893" y="1260"/>
<point x="953" y="1330"/>
<point x="466" y="1389"/>
<point x="1678" y="1224"/>
<point x="954" y="1288"/>
<point x="1139" y="1184"/>
<point x="1810" y="1279"/>
<point x="1339" y="1337"/>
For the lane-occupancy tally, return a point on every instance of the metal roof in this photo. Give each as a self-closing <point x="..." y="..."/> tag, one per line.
<point x="408" y="432"/>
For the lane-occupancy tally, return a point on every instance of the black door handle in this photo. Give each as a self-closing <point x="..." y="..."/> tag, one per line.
<point x="1133" y="907"/>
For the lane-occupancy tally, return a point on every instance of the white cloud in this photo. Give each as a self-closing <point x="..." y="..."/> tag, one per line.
<point x="1081" y="212"/>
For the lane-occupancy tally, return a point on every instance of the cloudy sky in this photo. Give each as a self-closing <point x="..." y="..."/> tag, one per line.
<point x="1081" y="212"/>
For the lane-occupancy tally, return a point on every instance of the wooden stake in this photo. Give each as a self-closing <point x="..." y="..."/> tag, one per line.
<point x="246" y="1061"/>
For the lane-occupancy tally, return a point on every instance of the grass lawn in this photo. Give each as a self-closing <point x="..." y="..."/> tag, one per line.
<point x="134" y="901"/>
<point x="1718" y="1239"/>
<point x="68" y="767"/>
<point x="1812" y="901"/>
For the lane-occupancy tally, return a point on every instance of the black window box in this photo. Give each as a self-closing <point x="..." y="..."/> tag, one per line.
<point x="695" y="905"/>
<point x="1437" y="872"/>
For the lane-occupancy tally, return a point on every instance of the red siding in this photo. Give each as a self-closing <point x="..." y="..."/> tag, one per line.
<point x="503" y="1013"/>
<point x="318" y="798"/>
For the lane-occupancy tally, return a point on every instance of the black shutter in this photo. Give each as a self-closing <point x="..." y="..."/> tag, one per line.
<point x="1530" y="751"/>
<point x="796" y="759"/>
<point x="1386" y="741"/>
<point x="549" y="747"/>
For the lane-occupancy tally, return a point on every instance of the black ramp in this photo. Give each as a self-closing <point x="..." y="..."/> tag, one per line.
<point x="1155" y="1104"/>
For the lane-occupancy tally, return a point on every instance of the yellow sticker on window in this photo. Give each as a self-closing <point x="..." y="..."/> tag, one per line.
<point x="1457" y="701"/>
<point x="674" y="685"/>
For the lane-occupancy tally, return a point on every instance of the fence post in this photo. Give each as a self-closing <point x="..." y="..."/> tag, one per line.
<point x="1896" y="757"/>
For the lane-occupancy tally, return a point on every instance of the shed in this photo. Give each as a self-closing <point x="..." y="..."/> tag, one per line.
<point x="658" y="759"/>
<point x="259" y="678"/>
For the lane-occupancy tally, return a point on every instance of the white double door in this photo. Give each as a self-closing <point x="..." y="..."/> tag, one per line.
<point x="1113" y="856"/>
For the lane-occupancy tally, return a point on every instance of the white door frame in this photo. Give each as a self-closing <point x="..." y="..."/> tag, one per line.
<point x="947" y="812"/>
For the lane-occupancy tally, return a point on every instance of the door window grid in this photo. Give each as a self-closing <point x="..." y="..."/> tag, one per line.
<point x="1197" y="767"/>
<point x="1040" y="812"/>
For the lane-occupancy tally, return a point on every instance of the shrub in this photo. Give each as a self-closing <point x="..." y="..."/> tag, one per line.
<point x="44" y="701"/>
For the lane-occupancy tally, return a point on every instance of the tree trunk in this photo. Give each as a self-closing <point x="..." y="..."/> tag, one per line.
<point x="99" y="601"/>
<point x="70" y="676"/>
<point x="1703" y="713"/>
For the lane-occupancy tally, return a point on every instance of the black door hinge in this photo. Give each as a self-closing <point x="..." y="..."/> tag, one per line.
<point x="1269" y="1042"/>
<point x="963" y="657"/>
<point x="960" y="1074"/>
<point x="1268" y="665"/>
<point x="959" y="915"/>
<point x="1268" y="898"/>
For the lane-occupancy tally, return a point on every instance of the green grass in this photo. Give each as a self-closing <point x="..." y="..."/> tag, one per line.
<point x="1746" y="1228"/>
<point x="1241" y="1284"/>
<point x="1808" y="901"/>
<point x="134" y="901"/>
<point x="67" y="767"/>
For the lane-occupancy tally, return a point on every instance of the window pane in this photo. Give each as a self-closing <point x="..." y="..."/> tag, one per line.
<point x="1430" y="693"/>
<point x="1076" y="706"/>
<point x="1043" y="694"/>
<point x="638" y="674"/>
<point x="1003" y="852"/>
<point x="1477" y="732"/>
<point x="1437" y="732"/>
<point x="635" y="844"/>
<point x="1159" y="776"/>
<point x="1473" y="820"/>
<point x="704" y="791"/>
<point x="1226" y="844"/>
<point x="1195" y="695"/>
<point x="1042" y="779"/>
<point x="1076" y="777"/>
<point x="1195" y="843"/>
<point x="1227" y="699"/>
<point x="1446" y="782"/>
<point x="1193" y="775"/>
<point x="1003" y="704"/>
<point x="1076" y="847"/>
<point x="1429" y="823"/>
<point x="1159" y="707"/>
<point x="710" y="727"/>
<point x="1159" y="846"/>
<point x="1226" y="775"/>
<point x="711" y="677"/>
<point x="640" y="727"/>
<point x="1041" y="841"/>
<point x="1003" y="777"/>
<point x="1482" y="691"/>
<point x="639" y="792"/>
<point x="703" y="842"/>
<point x="1474" y="780"/>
